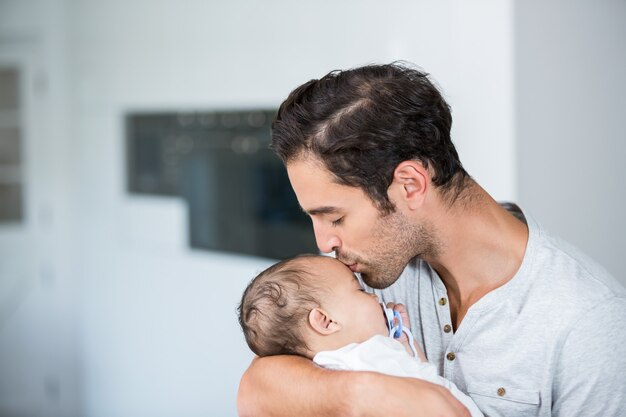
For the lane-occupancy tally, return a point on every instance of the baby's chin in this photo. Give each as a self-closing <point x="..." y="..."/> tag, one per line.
<point x="381" y="332"/>
<point x="383" y="329"/>
<point x="364" y="337"/>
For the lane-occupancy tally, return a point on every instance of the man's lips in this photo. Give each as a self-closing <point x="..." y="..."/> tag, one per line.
<point x="354" y="266"/>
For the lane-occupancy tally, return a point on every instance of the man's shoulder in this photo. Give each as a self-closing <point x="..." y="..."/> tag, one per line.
<point x="562" y="267"/>
<point x="565" y="284"/>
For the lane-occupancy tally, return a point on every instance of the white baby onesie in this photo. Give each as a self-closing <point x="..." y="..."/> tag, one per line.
<point x="388" y="356"/>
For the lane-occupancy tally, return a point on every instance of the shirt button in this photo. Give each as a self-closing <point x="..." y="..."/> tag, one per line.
<point x="451" y="356"/>
<point x="501" y="391"/>
<point x="447" y="328"/>
<point x="442" y="301"/>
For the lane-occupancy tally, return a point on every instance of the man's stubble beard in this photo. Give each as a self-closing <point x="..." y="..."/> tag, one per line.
<point x="397" y="241"/>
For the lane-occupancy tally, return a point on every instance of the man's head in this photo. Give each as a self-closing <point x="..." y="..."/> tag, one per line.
<point x="362" y="123"/>
<point x="356" y="143"/>
<point x="307" y="304"/>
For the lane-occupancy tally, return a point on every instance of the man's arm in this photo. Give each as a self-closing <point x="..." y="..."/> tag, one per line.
<point x="287" y="386"/>
<point x="589" y="379"/>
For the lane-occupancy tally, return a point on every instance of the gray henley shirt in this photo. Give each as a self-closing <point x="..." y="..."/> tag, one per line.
<point x="550" y="342"/>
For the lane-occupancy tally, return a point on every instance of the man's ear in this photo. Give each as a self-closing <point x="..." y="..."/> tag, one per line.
<point x="321" y="322"/>
<point x="411" y="181"/>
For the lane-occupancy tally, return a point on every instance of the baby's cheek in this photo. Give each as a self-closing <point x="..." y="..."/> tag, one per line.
<point x="380" y="325"/>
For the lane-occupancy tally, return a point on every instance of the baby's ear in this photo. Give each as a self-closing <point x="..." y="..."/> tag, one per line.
<point x="321" y="322"/>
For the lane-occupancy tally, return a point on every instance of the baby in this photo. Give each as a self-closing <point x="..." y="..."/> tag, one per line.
<point x="313" y="306"/>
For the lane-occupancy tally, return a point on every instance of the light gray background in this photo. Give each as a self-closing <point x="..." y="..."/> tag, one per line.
<point x="570" y="106"/>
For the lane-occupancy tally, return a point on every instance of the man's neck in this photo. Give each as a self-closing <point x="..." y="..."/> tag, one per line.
<point x="483" y="246"/>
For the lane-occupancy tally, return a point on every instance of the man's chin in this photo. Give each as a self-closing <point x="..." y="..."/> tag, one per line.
<point x="377" y="283"/>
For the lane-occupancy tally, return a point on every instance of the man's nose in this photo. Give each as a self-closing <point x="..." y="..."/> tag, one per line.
<point x="326" y="240"/>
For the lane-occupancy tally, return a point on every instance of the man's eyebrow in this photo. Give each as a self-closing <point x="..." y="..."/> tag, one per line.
<point x="321" y="210"/>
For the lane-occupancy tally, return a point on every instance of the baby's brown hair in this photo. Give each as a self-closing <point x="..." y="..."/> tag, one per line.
<point x="275" y="306"/>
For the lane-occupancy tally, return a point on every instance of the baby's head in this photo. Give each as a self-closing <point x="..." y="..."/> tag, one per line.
<point x="307" y="304"/>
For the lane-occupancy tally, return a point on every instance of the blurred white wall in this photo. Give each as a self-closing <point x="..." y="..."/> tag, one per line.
<point x="570" y="103"/>
<point x="39" y="350"/>
<point x="136" y="324"/>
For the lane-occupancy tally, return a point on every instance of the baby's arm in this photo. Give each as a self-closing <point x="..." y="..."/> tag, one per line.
<point x="406" y="322"/>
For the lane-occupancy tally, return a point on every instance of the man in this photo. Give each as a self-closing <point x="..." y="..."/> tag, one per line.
<point x="522" y="322"/>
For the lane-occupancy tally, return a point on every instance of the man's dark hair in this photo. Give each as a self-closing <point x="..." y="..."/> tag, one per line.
<point x="275" y="307"/>
<point x="361" y="123"/>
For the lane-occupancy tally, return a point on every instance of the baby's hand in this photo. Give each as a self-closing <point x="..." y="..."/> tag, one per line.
<point x="400" y="308"/>
<point x="406" y="322"/>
